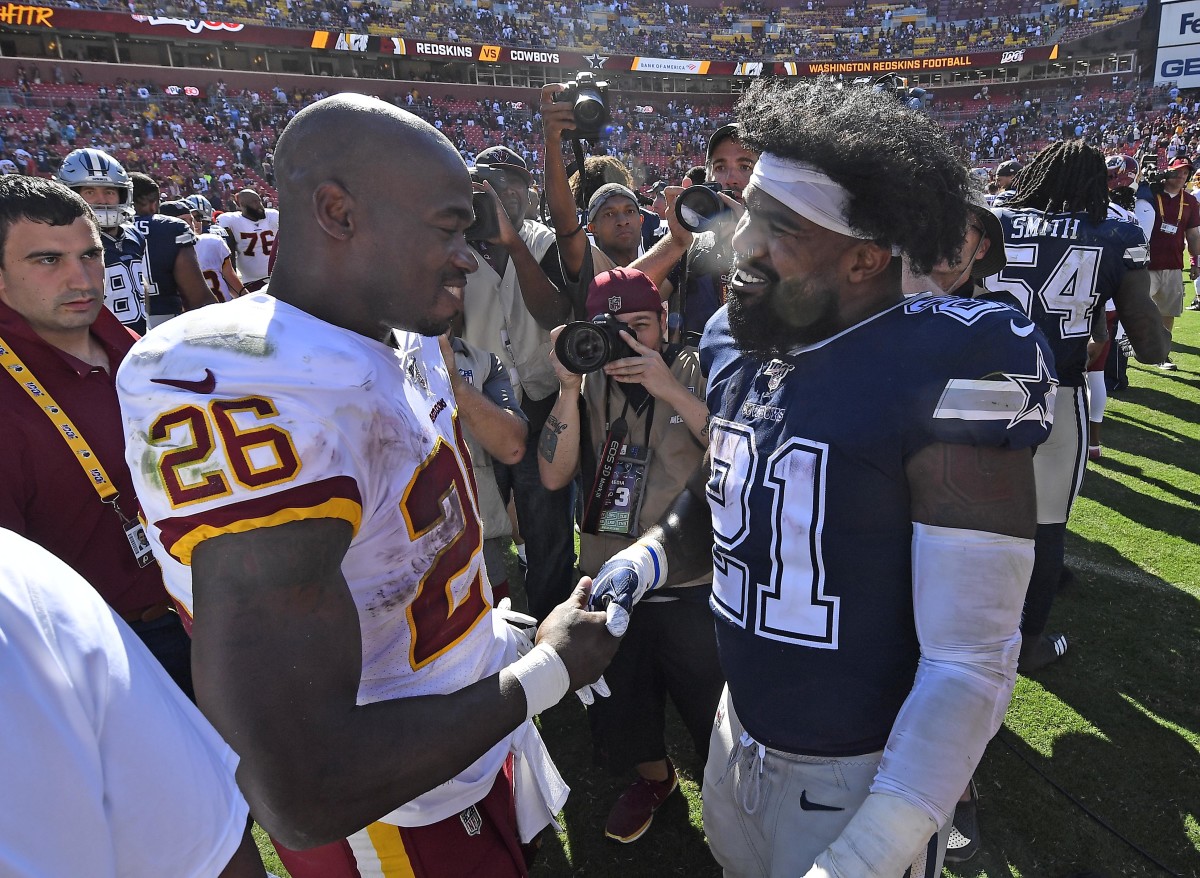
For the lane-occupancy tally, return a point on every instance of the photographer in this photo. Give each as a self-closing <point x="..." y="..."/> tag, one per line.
<point x="649" y="400"/>
<point x="510" y="304"/>
<point x="614" y="244"/>
<point x="698" y="264"/>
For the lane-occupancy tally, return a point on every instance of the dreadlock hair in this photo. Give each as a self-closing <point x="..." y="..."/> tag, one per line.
<point x="906" y="185"/>
<point x="1066" y="177"/>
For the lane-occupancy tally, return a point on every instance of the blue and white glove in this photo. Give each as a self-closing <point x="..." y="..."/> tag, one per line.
<point x="624" y="578"/>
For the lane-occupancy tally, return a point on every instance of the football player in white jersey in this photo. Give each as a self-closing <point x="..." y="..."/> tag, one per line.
<point x="253" y="230"/>
<point x="303" y="475"/>
<point x="216" y="263"/>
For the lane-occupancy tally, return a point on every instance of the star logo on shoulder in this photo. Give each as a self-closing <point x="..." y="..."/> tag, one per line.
<point x="596" y="60"/>
<point x="1039" y="389"/>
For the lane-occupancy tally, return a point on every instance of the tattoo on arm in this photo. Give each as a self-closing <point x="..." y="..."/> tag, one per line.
<point x="548" y="445"/>
<point x="707" y="425"/>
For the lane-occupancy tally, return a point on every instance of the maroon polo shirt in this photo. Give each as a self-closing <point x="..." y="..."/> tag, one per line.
<point x="44" y="493"/>
<point x="1183" y="212"/>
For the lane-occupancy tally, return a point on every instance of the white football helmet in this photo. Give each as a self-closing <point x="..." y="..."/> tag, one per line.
<point x="94" y="167"/>
<point x="201" y="205"/>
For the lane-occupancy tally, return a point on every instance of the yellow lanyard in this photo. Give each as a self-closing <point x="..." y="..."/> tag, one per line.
<point x="1178" y="219"/>
<point x="62" y="425"/>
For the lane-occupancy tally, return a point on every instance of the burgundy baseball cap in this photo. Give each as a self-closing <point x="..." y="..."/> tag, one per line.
<point x="622" y="291"/>
<point x="1179" y="162"/>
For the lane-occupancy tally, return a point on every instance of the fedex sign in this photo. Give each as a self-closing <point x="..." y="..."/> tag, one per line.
<point x="1178" y="58"/>
<point x="1179" y="24"/>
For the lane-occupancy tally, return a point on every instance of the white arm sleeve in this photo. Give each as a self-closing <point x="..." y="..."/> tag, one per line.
<point x="968" y="590"/>
<point x="1144" y="211"/>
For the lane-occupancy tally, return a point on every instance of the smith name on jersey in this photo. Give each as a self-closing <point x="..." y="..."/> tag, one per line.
<point x="811" y="512"/>
<point x="1061" y="269"/>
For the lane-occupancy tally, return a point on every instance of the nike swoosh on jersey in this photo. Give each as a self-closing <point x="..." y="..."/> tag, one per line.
<point x="806" y="805"/>
<point x="207" y="384"/>
<point x="1023" y="332"/>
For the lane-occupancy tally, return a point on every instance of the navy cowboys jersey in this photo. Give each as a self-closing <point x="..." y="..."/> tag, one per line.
<point x="128" y="285"/>
<point x="811" y="512"/>
<point x="1061" y="268"/>
<point x="165" y="237"/>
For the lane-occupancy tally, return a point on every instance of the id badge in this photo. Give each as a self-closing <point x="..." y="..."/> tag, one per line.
<point x="139" y="543"/>
<point x="619" y="514"/>
<point x="1169" y="229"/>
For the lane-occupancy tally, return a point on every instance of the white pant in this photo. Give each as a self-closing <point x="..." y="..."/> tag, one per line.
<point x="769" y="814"/>
<point x="1058" y="463"/>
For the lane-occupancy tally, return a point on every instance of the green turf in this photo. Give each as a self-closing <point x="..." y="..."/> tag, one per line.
<point x="1116" y="723"/>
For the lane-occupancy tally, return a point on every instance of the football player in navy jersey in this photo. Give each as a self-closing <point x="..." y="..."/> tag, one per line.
<point x="867" y="498"/>
<point x="171" y="246"/>
<point x="1067" y="256"/>
<point x="101" y="181"/>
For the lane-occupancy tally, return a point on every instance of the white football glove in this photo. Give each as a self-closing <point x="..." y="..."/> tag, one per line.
<point x="522" y="627"/>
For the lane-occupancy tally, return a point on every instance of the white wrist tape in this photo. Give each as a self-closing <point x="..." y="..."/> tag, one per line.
<point x="649" y="560"/>
<point x="968" y="590"/>
<point x="881" y="840"/>
<point x="543" y="676"/>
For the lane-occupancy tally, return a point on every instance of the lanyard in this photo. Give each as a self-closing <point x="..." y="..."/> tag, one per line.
<point x="1178" y="219"/>
<point x="82" y="452"/>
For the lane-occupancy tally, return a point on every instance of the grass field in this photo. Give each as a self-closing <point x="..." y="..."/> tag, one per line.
<point x="1116" y="723"/>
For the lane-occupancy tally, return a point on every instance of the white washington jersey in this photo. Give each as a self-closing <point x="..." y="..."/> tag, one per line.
<point x="256" y="414"/>
<point x="254" y="241"/>
<point x="211" y="252"/>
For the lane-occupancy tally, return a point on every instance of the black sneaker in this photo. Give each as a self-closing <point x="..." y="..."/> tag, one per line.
<point x="1041" y="651"/>
<point x="1195" y="306"/>
<point x="964" y="832"/>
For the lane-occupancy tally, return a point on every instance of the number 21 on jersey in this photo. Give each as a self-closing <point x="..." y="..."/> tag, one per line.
<point x="780" y="596"/>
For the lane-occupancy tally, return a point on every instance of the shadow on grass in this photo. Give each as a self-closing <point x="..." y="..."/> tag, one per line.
<point x="1131" y="674"/>
<point x="673" y="845"/>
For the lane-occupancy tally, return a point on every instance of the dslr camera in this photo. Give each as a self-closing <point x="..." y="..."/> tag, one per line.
<point x="585" y="346"/>
<point x="699" y="207"/>
<point x="588" y="98"/>
<point x="487" y="220"/>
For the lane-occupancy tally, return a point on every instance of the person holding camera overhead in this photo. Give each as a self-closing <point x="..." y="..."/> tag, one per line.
<point x="631" y="416"/>
<point x="510" y="304"/>
<point x="696" y="254"/>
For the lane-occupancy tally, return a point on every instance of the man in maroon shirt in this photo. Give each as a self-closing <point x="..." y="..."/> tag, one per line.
<point x="1176" y="222"/>
<point x="56" y="335"/>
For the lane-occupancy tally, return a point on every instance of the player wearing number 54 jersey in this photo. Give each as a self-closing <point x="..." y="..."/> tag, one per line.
<point x="307" y="491"/>
<point x="1067" y="257"/>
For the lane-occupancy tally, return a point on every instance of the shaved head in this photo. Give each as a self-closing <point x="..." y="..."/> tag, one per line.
<point x="373" y="203"/>
<point x="353" y="139"/>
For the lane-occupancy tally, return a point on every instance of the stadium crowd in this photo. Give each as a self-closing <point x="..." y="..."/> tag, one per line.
<point x="750" y="30"/>
<point x="384" y="447"/>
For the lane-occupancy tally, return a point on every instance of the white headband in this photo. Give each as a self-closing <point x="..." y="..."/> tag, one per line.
<point x="807" y="191"/>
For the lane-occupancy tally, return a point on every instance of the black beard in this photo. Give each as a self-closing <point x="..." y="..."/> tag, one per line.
<point x="757" y="330"/>
<point x="254" y="214"/>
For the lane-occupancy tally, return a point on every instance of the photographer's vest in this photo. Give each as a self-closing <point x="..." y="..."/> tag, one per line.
<point x="498" y="321"/>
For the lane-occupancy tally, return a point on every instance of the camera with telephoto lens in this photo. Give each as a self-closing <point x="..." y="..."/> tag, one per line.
<point x="588" y="97"/>
<point x="584" y="346"/>
<point x="1152" y="175"/>
<point x="699" y="207"/>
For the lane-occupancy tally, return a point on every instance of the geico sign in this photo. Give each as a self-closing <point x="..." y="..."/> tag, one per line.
<point x="1177" y="67"/>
